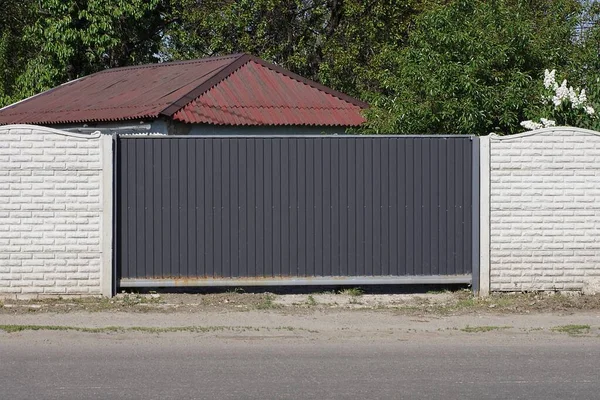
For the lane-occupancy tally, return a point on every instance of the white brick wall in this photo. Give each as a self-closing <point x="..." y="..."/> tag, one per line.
<point x="544" y="210"/>
<point x="50" y="212"/>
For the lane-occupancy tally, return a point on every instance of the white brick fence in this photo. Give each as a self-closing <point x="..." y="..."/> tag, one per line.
<point x="539" y="225"/>
<point x="53" y="212"/>
<point x="542" y="192"/>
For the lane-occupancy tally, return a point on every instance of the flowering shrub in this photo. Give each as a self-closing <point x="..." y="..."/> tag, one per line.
<point x="562" y="105"/>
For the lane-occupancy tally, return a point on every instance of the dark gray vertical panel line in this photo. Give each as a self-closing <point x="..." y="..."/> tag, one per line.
<point x="226" y="194"/>
<point x="343" y="212"/>
<point x="126" y="213"/>
<point x="435" y="206"/>
<point x="289" y="256"/>
<point x="242" y="209"/>
<point x="234" y="204"/>
<point x="329" y="168"/>
<point x="419" y="244"/>
<point x="391" y="243"/>
<point x="260" y="204"/>
<point x="148" y="209"/>
<point x="310" y="208"/>
<point x="319" y="200"/>
<point x="156" y="210"/>
<point x="301" y="207"/>
<point x="166" y="211"/>
<point x="217" y="198"/>
<point x="123" y="204"/>
<point x="175" y="220"/>
<point x="460" y="222"/>
<point x="182" y="174"/>
<point x="461" y="214"/>
<point x="201" y="216"/>
<point x="335" y="208"/>
<point x="444" y="209"/>
<point x="138" y="207"/>
<point x="360" y="210"/>
<point x="400" y="226"/>
<point x="371" y="210"/>
<point x="293" y="227"/>
<point x="252" y="212"/>
<point x="385" y="208"/>
<point x="281" y="245"/>
<point x="135" y="206"/>
<point x="453" y="222"/>
<point x="266" y="204"/>
<point x="208" y="209"/>
<point x="192" y="211"/>
<point x="426" y="234"/>
<point x="411" y="205"/>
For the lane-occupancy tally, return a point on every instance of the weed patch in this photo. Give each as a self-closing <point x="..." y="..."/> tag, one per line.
<point x="267" y="303"/>
<point x="310" y="300"/>
<point x="143" y="329"/>
<point x="355" y="292"/>
<point x="572" y="329"/>
<point x="485" y="328"/>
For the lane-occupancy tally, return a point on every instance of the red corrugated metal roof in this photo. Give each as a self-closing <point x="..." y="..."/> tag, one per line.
<point x="231" y="90"/>
<point x="258" y="95"/>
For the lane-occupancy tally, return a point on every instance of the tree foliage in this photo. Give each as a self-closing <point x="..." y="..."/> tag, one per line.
<point x="14" y="52"/>
<point x="469" y="67"/>
<point x="65" y="40"/>
<point x="331" y="41"/>
<point x="425" y="66"/>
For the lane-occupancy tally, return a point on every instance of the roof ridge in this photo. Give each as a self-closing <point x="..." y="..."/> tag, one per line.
<point x="170" y="63"/>
<point x="224" y="72"/>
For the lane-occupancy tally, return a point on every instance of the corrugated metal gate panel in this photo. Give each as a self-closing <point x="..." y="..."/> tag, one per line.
<point x="285" y="207"/>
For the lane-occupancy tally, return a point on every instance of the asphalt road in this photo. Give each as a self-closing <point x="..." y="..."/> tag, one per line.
<point x="493" y="365"/>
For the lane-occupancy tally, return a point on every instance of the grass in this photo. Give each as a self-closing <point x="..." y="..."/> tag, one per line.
<point x="572" y="329"/>
<point x="443" y="291"/>
<point x="310" y="300"/>
<point x="484" y="328"/>
<point x="453" y="303"/>
<point x="355" y="292"/>
<point x="143" y="329"/>
<point x="267" y="303"/>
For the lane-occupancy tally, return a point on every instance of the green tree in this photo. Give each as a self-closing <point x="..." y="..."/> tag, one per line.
<point x="14" y="52"/>
<point x="469" y="67"/>
<point x="66" y="40"/>
<point x="332" y="41"/>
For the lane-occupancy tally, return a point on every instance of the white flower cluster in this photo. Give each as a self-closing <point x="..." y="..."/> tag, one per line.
<point x="562" y="93"/>
<point x="544" y="123"/>
<point x="550" y="79"/>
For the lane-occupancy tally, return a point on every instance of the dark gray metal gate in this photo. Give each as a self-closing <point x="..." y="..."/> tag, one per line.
<point x="197" y="211"/>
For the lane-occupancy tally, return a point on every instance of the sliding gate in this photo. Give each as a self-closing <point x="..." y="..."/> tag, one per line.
<point x="296" y="210"/>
